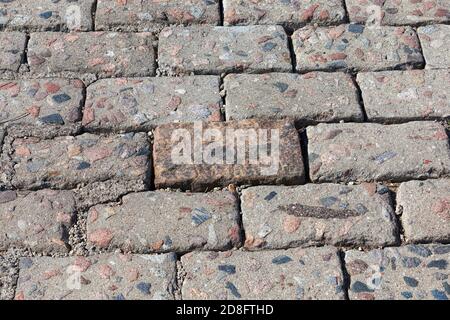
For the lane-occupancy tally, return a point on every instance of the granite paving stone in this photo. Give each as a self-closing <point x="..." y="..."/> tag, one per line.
<point x="141" y="104"/>
<point x="296" y="274"/>
<point x="414" y="272"/>
<point x="355" y="47"/>
<point x="310" y="98"/>
<point x="425" y="210"/>
<point x="374" y="152"/>
<point x="435" y="41"/>
<point x="12" y="51"/>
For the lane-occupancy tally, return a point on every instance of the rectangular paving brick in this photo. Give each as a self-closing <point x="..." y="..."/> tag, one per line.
<point x="276" y="217"/>
<point x="202" y="156"/>
<point x="65" y="162"/>
<point x="435" y="41"/>
<point x="394" y="96"/>
<point x="414" y="272"/>
<point x="216" y="50"/>
<point x="141" y="104"/>
<point x="395" y="12"/>
<point x="368" y="152"/>
<point x="41" y="104"/>
<point x="102" y="277"/>
<point x="105" y="54"/>
<point x="425" y="210"/>
<point x="296" y="274"/>
<point x="141" y="15"/>
<point x="45" y="15"/>
<point x="12" y="51"/>
<point x="292" y="14"/>
<point x="357" y="48"/>
<point x="39" y="221"/>
<point x="307" y="99"/>
<point x="141" y="223"/>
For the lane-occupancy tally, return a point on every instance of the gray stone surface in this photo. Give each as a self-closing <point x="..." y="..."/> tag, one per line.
<point x="425" y="209"/>
<point x="103" y="277"/>
<point x="216" y="50"/>
<point x="39" y="221"/>
<point x="355" y="47"/>
<point x="398" y="12"/>
<point x="296" y="274"/>
<point x="141" y="104"/>
<point x="395" y="96"/>
<point x="308" y="99"/>
<point x="435" y="41"/>
<point x="65" y="162"/>
<point x="103" y="54"/>
<point x="288" y="13"/>
<point x="368" y="152"/>
<point x="159" y="221"/>
<point x="418" y="272"/>
<point x="281" y="217"/>
<point x="199" y="157"/>
<point x="11" y="51"/>
<point x="46" y="15"/>
<point x="141" y="15"/>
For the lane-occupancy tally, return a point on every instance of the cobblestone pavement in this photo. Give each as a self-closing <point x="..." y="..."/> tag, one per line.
<point x="93" y="205"/>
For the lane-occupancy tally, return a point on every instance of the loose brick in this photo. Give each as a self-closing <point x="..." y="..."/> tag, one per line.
<point x="394" y="12"/>
<point x="307" y="99"/>
<point x="41" y="105"/>
<point x="395" y="96"/>
<point x="140" y="223"/>
<point x="39" y="221"/>
<point x="367" y="152"/>
<point x="357" y="48"/>
<point x="44" y="15"/>
<point x="152" y="15"/>
<point x="200" y="156"/>
<point x="425" y="209"/>
<point x="282" y="217"/>
<point x="417" y="272"/>
<point x="104" y="277"/>
<point x="141" y="104"/>
<point x="12" y="51"/>
<point x="435" y="40"/>
<point x="65" y="162"/>
<point x="216" y="50"/>
<point x="291" y="14"/>
<point x="303" y="274"/>
<point x="104" y="54"/>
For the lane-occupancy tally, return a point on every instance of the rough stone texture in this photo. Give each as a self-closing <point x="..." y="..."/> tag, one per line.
<point x="282" y="217"/>
<point x="2" y="134"/>
<point x="46" y="15"/>
<point x="104" y="54"/>
<point x="270" y="275"/>
<point x="166" y="221"/>
<point x="395" y="96"/>
<point x="367" y="152"/>
<point x="8" y="275"/>
<point x="398" y="12"/>
<point x="37" y="220"/>
<point x="308" y="99"/>
<point x="104" y="277"/>
<point x="409" y="272"/>
<point x="198" y="171"/>
<point x="11" y="51"/>
<point x="435" y="41"/>
<point x="291" y="14"/>
<point x="41" y="105"/>
<point x="425" y="209"/>
<point x="355" y="47"/>
<point x="65" y="162"/>
<point x="216" y="50"/>
<point x="152" y="15"/>
<point x="141" y="104"/>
